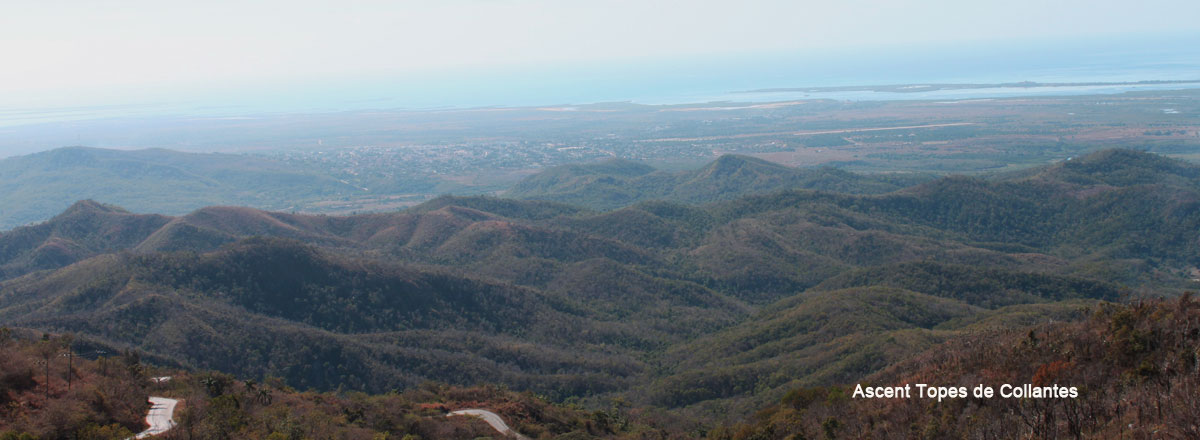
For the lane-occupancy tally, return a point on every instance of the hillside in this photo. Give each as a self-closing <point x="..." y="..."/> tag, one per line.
<point x="46" y="395"/>
<point x="85" y="229"/>
<point x="618" y="183"/>
<point x="99" y="395"/>
<point x="1132" y="366"/>
<point x="35" y="187"/>
<point x="705" y="309"/>
<point x="289" y="309"/>
<point x="1124" y="168"/>
<point x="857" y="323"/>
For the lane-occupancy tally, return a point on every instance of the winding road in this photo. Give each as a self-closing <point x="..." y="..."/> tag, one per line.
<point x="491" y="418"/>
<point x="159" y="417"/>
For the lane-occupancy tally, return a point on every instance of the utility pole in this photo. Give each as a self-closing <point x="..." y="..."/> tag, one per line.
<point x="67" y="341"/>
<point x="47" y="352"/>
<point x="70" y="367"/>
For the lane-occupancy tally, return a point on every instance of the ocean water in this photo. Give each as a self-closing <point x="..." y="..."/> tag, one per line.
<point x="678" y="81"/>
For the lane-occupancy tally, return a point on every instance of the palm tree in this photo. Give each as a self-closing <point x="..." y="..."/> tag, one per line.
<point x="214" y="386"/>
<point x="263" y="396"/>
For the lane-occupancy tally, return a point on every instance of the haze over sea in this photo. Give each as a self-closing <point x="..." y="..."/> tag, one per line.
<point x="667" y="81"/>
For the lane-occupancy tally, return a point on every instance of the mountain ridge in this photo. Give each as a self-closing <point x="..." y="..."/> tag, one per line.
<point x="37" y="186"/>
<point x="728" y="176"/>
<point x="643" y="297"/>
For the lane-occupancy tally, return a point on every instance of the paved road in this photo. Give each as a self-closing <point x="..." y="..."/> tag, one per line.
<point x="159" y="417"/>
<point x="491" y="418"/>
<point x="162" y="411"/>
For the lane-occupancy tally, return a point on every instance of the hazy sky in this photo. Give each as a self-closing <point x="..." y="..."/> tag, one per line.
<point x="57" y="47"/>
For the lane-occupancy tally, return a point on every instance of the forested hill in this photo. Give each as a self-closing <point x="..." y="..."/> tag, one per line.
<point x="1133" y="368"/>
<point x="618" y="183"/>
<point x="1123" y="168"/>
<point x="35" y="187"/>
<point x="715" y="308"/>
<point x="61" y="387"/>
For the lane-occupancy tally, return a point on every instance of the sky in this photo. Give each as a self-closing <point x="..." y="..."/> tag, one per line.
<point x="63" y="52"/>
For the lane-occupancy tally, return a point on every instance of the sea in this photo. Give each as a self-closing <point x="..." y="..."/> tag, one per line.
<point x="673" y="80"/>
